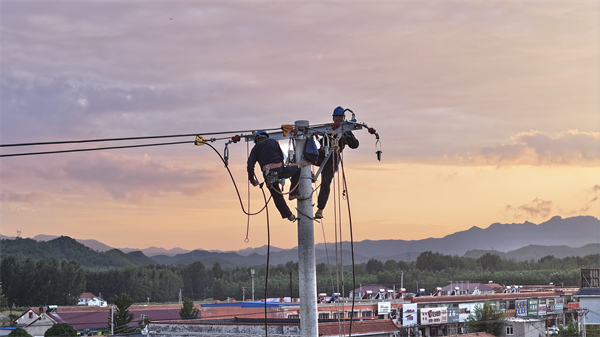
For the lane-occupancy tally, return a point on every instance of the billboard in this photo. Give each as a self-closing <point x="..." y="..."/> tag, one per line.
<point x="409" y="314"/>
<point x="453" y="314"/>
<point x="383" y="308"/>
<point x="558" y="305"/>
<point x="542" y="310"/>
<point x="521" y="308"/>
<point x="434" y="316"/>
<point x="532" y="307"/>
<point x="465" y="310"/>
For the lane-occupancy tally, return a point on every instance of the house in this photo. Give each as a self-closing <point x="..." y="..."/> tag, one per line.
<point x="372" y="292"/>
<point x="90" y="299"/>
<point x="28" y="316"/>
<point x="468" y="288"/>
<point x="524" y="327"/>
<point x="589" y="301"/>
<point x="95" y="319"/>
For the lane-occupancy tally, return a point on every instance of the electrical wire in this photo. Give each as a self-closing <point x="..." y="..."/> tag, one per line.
<point x="129" y="138"/>
<point x="93" y="149"/>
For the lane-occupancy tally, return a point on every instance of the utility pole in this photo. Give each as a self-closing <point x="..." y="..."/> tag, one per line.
<point x="306" y="243"/>
<point x="252" y="275"/>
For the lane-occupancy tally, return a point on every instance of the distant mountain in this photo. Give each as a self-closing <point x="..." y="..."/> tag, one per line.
<point x="520" y="241"/>
<point x="101" y="247"/>
<point x="140" y="258"/>
<point x="153" y="251"/>
<point x="536" y="252"/>
<point x="93" y="244"/>
<point x="67" y="248"/>
<point x="573" y="232"/>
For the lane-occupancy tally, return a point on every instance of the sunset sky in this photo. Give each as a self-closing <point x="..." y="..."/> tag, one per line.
<point x="487" y="111"/>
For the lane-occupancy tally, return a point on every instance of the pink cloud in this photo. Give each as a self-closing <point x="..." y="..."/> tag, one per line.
<point x="10" y="195"/>
<point x="535" y="148"/>
<point x="536" y="208"/>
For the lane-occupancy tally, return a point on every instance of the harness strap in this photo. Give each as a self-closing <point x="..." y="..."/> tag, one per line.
<point x="269" y="167"/>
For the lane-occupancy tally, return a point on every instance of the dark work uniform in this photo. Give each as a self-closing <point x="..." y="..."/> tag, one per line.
<point x="267" y="151"/>
<point x="331" y="166"/>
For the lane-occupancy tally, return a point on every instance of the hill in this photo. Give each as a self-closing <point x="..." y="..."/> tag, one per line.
<point x="536" y="252"/>
<point x="519" y="241"/>
<point x="67" y="248"/>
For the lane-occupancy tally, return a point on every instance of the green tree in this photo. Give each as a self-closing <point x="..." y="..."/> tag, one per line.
<point x="431" y="261"/>
<point x="485" y="319"/>
<point x="374" y="266"/>
<point x="188" y="311"/>
<point x="490" y="261"/>
<point x="122" y="316"/>
<point x="19" y="332"/>
<point x="3" y="300"/>
<point x="60" y="330"/>
<point x="10" y="274"/>
<point x="570" y="330"/>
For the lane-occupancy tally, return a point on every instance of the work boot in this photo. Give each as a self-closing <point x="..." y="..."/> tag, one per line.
<point x="292" y="217"/>
<point x="293" y="196"/>
<point x="319" y="214"/>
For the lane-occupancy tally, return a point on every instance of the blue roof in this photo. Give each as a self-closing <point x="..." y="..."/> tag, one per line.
<point x="587" y="292"/>
<point x="249" y="304"/>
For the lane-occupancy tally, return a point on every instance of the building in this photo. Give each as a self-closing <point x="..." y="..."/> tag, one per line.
<point x="524" y="327"/>
<point x="90" y="299"/>
<point x="95" y="319"/>
<point x="28" y="316"/>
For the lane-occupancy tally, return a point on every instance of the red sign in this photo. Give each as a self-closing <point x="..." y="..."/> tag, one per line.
<point x="573" y="305"/>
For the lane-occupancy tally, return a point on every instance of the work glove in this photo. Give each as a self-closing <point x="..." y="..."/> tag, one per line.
<point x="253" y="181"/>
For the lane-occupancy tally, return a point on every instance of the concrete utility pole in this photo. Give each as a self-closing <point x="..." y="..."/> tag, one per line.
<point x="306" y="243"/>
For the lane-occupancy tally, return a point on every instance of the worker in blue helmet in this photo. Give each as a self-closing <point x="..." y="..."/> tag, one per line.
<point x="269" y="156"/>
<point x="331" y="165"/>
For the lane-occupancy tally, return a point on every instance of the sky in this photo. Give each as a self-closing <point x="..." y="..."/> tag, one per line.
<point x="487" y="112"/>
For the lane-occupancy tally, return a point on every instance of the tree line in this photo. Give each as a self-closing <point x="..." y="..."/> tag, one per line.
<point x="50" y="281"/>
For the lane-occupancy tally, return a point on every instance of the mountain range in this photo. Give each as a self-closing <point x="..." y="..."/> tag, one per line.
<point x="575" y="236"/>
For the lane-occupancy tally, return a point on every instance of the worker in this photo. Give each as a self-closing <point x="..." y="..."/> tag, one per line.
<point x="269" y="156"/>
<point x="331" y="165"/>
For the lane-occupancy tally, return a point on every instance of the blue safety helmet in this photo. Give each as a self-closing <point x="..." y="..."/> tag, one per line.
<point x="339" y="111"/>
<point x="260" y="134"/>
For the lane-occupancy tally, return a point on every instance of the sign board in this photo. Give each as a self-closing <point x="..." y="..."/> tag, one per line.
<point x="542" y="310"/>
<point x="532" y="307"/>
<point x="453" y="314"/>
<point x="558" y="305"/>
<point x="409" y="314"/>
<point x="434" y="316"/>
<point x="521" y="308"/>
<point x="465" y="309"/>
<point x="573" y="305"/>
<point x="383" y="308"/>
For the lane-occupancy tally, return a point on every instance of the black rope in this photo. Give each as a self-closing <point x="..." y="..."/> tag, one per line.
<point x="236" y="188"/>
<point x="268" y="258"/>
<point x="351" y="243"/>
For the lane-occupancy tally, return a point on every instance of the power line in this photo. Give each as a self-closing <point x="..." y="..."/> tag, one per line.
<point x="92" y="149"/>
<point x="127" y="138"/>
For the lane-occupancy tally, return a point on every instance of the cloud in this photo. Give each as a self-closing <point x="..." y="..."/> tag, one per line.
<point x="10" y="195"/>
<point x="133" y="178"/>
<point x="535" y="148"/>
<point x="123" y="177"/>
<point x="536" y="208"/>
